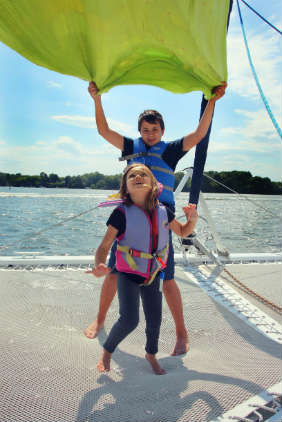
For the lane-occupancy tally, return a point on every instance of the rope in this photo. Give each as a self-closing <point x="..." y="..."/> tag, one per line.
<point x="35" y="234"/>
<point x="268" y="109"/>
<point x="276" y="308"/>
<point x="265" y="20"/>
<point x="242" y="196"/>
<point x="262" y="299"/>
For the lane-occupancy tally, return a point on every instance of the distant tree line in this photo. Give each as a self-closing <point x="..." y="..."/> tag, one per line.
<point x="239" y="181"/>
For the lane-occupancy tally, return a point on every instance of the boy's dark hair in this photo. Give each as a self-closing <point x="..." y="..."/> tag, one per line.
<point x="150" y="116"/>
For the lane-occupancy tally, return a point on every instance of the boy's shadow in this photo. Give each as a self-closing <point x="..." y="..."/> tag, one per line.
<point x="140" y="395"/>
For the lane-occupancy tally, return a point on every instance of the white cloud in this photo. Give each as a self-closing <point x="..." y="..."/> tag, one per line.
<point x="62" y="156"/>
<point x="266" y="55"/>
<point x="257" y="127"/>
<point x="41" y="143"/>
<point x="240" y="161"/>
<point x="244" y="145"/>
<point x="251" y="142"/>
<point x="52" y="84"/>
<point x="122" y="128"/>
<point x="68" y="146"/>
<point x="90" y="123"/>
<point x="79" y="121"/>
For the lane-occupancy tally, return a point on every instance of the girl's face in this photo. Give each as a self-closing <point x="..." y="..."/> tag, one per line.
<point x="138" y="179"/>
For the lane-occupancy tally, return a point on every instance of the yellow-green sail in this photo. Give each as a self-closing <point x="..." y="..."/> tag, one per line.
<point x="178" y="45"/>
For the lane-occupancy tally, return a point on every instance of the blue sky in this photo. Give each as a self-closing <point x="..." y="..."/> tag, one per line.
<point x="47" y="124"/>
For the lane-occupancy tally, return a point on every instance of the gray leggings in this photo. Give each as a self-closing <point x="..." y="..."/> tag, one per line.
<point x="129" y="293"/>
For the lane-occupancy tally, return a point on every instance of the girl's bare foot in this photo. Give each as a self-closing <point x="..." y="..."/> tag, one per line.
<point x="157" y="369"/>
<point x="93" y="329"/>
<point x="181" y="346"/>
<point x="104" y="363"/>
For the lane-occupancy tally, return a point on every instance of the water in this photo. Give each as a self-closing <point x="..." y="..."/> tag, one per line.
<point x="243" y="226"/>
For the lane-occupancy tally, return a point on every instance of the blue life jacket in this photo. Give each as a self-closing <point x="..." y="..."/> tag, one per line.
<point x="152" y="158"/>
<point x="143" y="248"/>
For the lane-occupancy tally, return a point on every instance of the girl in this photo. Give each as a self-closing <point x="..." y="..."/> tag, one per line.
<point x="141" y="226"/>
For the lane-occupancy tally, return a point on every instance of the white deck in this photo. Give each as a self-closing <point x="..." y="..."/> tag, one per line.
<point x="48" y="368"/>
<point x="33" y="259"/>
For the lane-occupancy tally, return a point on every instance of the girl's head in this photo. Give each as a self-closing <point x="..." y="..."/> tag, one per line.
<point x="138" y="176"/>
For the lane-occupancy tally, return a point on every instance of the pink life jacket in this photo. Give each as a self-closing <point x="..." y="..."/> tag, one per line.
<point x="136" y="253"/>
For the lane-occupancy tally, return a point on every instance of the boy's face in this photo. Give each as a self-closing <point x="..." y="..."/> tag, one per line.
<point x="151" y="132"/>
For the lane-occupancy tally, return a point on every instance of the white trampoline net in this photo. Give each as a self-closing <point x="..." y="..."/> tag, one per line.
<point x="48" y="367"/>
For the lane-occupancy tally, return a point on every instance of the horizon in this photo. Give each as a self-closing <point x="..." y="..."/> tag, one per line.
<point x="120" y="174"/>
<point x="47" y="119"/>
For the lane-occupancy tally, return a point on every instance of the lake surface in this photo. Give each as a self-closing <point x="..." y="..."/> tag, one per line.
<point x="250" y="223"/>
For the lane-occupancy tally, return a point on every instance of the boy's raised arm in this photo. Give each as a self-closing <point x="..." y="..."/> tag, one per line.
<point x="195" y="137"/>
<point x="102" y="125"/>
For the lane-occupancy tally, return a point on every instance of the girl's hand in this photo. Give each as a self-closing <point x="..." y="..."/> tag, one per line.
<point x="191" y="212"/>
<point x="99" y="271"/>
<point x="93" y="89"/>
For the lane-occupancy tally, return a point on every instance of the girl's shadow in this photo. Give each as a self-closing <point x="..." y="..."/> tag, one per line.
<point x="133" y="393"/>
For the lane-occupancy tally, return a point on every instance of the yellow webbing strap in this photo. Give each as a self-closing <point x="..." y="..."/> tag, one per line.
<point x="144" y="255"/>
<point x="128" y="256"/>
<point x="152" y="278"/>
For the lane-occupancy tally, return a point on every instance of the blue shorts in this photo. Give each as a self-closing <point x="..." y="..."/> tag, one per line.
<point x="169" y="271"/>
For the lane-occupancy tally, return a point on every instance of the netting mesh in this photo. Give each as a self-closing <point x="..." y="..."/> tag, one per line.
<point x="48" y="368"/>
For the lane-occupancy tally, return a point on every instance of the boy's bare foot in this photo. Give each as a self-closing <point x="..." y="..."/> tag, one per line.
<point x="181" y="346"/>
<point x="104" y="363"/>
<point x="93" y="329"/>
<point x="157" y="369"/>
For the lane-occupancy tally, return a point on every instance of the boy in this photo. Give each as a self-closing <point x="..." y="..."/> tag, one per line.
<point x="162" y="159"/>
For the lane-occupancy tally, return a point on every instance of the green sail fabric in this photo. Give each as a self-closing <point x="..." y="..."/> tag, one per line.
<point x="178" y="45"/>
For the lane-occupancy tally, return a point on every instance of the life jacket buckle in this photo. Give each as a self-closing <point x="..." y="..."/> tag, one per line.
<point x="160" y="262"/>
<point x="134" y="253"/>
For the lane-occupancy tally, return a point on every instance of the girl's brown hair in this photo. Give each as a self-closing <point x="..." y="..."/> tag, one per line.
<point x="152" y="197"/>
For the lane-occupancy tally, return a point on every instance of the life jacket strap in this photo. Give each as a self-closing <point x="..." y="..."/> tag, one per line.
<point x="131" y="156"/>
<point x="157" y="168"/>
<point x="130" y="253"/>
<point x="152" y="278"/>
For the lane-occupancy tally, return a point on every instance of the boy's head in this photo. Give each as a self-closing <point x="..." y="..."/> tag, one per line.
<point x="151" y="126"/>
<point x="150" y="116"/>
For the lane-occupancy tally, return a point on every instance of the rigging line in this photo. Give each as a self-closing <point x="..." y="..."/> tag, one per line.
<point x="242" y="196"/>
<point x="262" y="299"/>
<point x="265" y="20"/>
<point x="268" y="109"/>
<point x="60" y="223"/>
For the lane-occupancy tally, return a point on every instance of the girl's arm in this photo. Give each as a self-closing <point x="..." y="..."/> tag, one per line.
<point x="100" y="269"/>
<point x="185" y="229"/>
